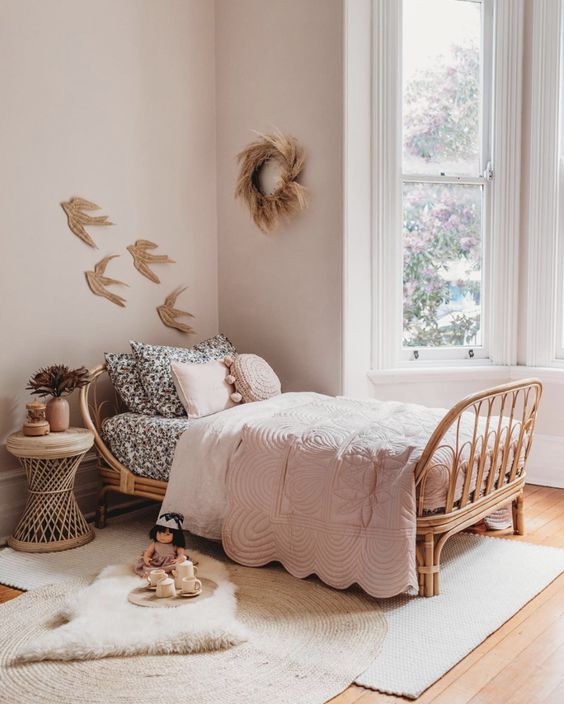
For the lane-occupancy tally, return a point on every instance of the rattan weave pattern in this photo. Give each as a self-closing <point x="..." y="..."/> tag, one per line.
<point x="52" y="519"/>
<point x="69" y="443"/>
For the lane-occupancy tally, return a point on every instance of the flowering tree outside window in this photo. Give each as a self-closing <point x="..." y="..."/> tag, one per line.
<point x="442" y="221"/>
<point x="441" y="267"/>
<point x="442" y="111"/>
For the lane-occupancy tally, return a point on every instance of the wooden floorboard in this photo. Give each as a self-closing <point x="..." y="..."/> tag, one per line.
<point x="523" y="661"/>
<point x="556" y="694"/>
<point x="7" y="593"/>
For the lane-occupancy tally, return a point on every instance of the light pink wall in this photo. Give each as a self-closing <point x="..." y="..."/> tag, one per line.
<point x="279" y="64"/>
<point x="115" y="102"/>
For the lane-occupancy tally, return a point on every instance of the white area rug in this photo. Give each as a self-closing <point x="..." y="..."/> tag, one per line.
<point x="484" y="581"/>
<point x="306" y="643"/>
<point x="123" y="540"/>
<point x="98" y="621"/>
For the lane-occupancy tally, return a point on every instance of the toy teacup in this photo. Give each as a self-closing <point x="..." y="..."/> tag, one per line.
<point x="166" y="588"/>
<point x="190" y="585"/>
<point x="155" y="577"/>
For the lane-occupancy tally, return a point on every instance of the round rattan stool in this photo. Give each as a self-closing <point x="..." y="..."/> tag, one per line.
<point x="52" y="519"/>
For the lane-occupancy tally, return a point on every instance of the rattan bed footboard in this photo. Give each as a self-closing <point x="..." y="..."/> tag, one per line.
<point x="501" y="421"/>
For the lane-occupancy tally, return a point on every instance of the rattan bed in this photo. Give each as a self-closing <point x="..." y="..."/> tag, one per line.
<point x="503" y="421"/>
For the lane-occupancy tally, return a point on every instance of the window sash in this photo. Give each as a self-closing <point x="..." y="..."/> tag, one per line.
<point x="406" y="354"/>
<point x="461" y="352"/>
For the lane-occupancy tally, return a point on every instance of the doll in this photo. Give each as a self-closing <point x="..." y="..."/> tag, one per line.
<point x="167" y="546"/>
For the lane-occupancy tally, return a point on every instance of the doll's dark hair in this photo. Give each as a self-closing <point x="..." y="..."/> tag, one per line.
<point x="178" y="539"/>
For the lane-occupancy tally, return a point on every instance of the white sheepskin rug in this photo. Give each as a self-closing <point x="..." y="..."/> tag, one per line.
<point x="98" y="621"/>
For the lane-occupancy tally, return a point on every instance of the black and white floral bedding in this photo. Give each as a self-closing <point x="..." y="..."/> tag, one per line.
<point x="144" y="444"/>
<point x="124" y="375"/>
<point x="153" y="366"/>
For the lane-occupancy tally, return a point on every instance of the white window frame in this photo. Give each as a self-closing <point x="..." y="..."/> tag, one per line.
<point x="545" y="244"/>
<point x="501" y="256"/>
<point x="558" y="271"/>
<point x="463" y="352"/>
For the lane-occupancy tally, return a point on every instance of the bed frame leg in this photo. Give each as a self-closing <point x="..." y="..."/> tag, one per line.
<point x="101" y="508"/>
<point x="519" y="515"/>
<point x="428" y="571"/>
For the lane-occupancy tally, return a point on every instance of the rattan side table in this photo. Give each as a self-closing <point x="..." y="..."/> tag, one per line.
<point x="52" y="519"/>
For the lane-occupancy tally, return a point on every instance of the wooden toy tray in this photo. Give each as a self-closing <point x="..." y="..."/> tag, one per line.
<point x="144" y="596"/>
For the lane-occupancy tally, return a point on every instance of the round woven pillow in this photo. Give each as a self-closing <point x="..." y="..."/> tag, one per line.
<point x="254" y="378"/>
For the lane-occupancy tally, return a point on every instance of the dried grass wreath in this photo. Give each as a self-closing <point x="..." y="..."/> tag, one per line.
<point x="289" y="196"/>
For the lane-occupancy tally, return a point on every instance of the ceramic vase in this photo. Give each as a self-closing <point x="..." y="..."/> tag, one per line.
<point x="58" y="414"/>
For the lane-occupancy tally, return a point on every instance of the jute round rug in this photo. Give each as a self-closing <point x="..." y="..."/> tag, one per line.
<point x="307" y="643"/>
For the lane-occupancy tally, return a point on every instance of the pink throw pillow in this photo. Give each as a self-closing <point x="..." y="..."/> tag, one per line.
<point x="202" y="388"/>
<point x="254" y="378"/>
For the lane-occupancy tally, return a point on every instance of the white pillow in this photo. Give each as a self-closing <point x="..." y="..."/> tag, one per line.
<point x="202" y="388"/>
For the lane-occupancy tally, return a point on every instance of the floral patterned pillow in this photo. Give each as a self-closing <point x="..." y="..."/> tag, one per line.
<point x="153" y="363"/>
<point x="125" y="378"/>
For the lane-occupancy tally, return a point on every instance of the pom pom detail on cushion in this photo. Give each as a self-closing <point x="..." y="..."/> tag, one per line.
<point x="230" y="379"/>
<point x="236" y="398"/>
<point x="255" y="380"/>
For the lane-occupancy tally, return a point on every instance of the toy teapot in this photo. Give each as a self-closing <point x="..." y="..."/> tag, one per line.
<point x="184" y="569"/>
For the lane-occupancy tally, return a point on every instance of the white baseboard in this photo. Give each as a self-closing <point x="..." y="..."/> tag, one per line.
<point x="545" y="465"/>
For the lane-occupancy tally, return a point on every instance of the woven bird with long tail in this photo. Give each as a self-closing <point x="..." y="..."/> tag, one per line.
<point x="142" y="258"/>
<point x="97" y="281"/>
<point x="77" y="219"/>
<point x="169" y="314"/>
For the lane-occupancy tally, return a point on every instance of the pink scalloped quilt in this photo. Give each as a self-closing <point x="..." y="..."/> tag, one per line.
<point x="327" y="488"/>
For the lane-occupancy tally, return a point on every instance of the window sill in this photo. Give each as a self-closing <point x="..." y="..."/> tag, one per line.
<point x="430" y="374"/>
<point x="501" y="374"/>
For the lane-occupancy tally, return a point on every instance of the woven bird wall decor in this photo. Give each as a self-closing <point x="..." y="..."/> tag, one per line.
<point x="169" y="314"/>
<point x="289" y="196"/>
<point x="143" y="259"/>
<point x="97" y="281"/>
<point x="78" y="219"/>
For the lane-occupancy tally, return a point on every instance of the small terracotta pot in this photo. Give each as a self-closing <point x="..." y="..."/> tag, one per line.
<point x="58" y="414"/>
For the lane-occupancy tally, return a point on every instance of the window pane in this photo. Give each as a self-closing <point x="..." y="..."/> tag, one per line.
<point x="441" y="87"/>
<point x="442" y="256"/>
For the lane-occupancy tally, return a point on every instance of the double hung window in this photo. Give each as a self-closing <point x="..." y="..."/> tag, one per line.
<point x="446" y="174"/>
<point x="433" y="207"/>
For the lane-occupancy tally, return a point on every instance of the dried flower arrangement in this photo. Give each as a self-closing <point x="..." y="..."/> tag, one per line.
<point x="57" y="380"/>
<point x="289" y="196"/>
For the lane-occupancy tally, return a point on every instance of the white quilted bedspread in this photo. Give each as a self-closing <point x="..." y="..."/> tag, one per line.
<point x="323" y="485"/>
